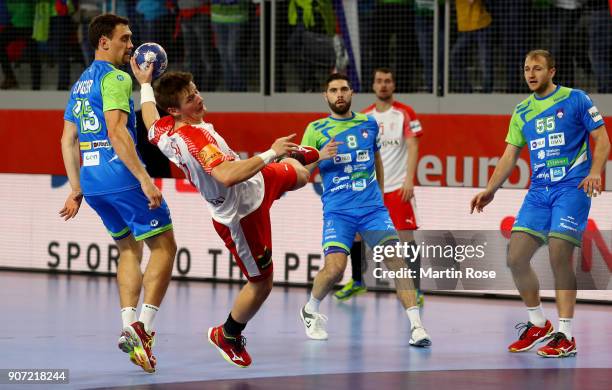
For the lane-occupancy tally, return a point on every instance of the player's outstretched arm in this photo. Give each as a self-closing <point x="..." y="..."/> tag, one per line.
<point x="123" y="144"/>
<point x="504" y="168"/>
<point x="233" y="172"/>
<point x="592" y="183"/>
<point x="71" y="157"/>
<point x="147" y="97"/>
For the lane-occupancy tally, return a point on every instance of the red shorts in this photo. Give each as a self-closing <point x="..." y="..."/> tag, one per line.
<point x="403" y="214"/>
<point x="250" y="239"/>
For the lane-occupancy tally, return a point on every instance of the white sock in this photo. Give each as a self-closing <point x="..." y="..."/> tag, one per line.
<point x="536" y="315"/>
<point x="128" y="316"/>
<point x="565" y="327"/>
<point x="414" y="316"/>
<point x="147" y="316"/>
<point x="313" y="305"/>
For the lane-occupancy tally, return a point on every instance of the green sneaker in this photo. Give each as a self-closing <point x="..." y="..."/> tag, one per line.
<point x="349" y="290"/>
<point x="420" y="298"/>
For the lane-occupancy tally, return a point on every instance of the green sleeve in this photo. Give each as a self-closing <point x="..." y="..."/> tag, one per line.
<point x="310" y="137"/>
<point x="116" y="91"/>
<point x="515" y="133"/>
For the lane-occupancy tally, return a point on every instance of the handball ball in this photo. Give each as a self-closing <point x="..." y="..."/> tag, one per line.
<point x="152" y="53"/>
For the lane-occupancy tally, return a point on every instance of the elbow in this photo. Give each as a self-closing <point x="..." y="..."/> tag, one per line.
<point x="227" y="180"/>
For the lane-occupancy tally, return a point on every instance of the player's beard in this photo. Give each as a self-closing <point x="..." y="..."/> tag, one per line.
<point x="543" y="87"/>
<point x="337" y="110"/>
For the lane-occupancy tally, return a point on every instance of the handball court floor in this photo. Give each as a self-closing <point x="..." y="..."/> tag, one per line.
<point x="72" y="321"/>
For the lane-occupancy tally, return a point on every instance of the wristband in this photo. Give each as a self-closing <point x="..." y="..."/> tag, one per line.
<point x="146" y="94"/>
<point x="268" y="156"/>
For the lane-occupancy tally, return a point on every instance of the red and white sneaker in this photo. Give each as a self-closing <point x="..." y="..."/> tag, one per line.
<point x="141" y="343"/>
<point x="530" y="336"/>
<point x="231" y="348"/>
<point x="559" y="347"/>
<point x="305" y="155"/>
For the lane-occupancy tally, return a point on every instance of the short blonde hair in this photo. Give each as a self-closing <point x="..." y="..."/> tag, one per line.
<point x="550" y="61"/>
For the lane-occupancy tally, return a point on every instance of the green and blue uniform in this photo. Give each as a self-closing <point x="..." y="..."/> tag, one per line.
<point x="352" y="201"/>
<point x="108" y="185"/>
<point x="556" y="129"/>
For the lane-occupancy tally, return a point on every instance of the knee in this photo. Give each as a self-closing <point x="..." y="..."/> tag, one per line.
<point x="335" y="271"/>
<point x="302" y="174"/>
<point x="263" y="287"/>
<point x="516" y="263"/>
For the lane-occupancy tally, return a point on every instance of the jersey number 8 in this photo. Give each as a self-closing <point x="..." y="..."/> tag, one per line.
<point x="351" y="141"/>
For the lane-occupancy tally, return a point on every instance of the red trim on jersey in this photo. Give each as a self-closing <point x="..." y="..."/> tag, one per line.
<point x="160" y="127"/>
<point x="369" y="108"/>
<point x="202" y="146"/>
<point x="409" y="117"/>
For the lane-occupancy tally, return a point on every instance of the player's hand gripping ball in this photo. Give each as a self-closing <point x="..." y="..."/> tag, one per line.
<point x="152" y="53"/>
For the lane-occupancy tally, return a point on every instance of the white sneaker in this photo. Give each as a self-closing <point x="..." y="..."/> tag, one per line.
<point x="419" y="337"/>
<point x="314" y="324"/>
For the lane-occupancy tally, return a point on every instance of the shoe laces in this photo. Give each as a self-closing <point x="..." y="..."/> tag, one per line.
<point x="522" y="329"/>
<point x="556" y="339"/>
<point x="319" y="321"/>
<point x="239" y="343"/>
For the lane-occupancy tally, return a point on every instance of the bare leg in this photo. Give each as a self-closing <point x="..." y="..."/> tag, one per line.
<point x="329" y="275"/>
<point x="159" y="270"/>
<point x="404" y="287"/>
<point x="565" y="278"/>
<point x="250" y="299"/>
<point x="303" y="175"/>
<point x="522" y="248"/>
<point x="129" y="275"/>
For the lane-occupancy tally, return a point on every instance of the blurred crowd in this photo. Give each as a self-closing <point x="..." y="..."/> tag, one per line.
<point x="220" y="41"/>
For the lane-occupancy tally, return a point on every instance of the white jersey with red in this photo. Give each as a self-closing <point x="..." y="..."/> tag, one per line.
<point x="396" y="124"/>
<point x="241" y="213"/>
<point x="197" y="149"/>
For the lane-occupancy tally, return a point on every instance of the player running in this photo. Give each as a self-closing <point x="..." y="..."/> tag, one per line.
<point x="352" y="203"/>
<point x="399" y="130"/>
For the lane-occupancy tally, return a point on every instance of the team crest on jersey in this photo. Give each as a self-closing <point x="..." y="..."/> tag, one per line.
<point x="209" y="154"/>
<point x="560" y="113"/>
<point x="364" y="134"/>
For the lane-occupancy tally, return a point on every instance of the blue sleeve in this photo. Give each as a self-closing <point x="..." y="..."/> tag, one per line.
<point x="375" y="127"/>
<point x="588" y="113"/>
<point x="68" y="113"/>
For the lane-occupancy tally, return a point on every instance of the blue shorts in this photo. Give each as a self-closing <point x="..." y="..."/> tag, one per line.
<point x="554" y="212"/>
<point x="373" y="223"/>
<point x="127" y="212"/>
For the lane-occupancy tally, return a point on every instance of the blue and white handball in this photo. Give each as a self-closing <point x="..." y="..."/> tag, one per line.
<point x="152" y="53"/>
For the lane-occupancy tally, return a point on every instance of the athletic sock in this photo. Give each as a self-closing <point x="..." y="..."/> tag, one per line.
<point x="232" y="328"/>
<point x="313" y="305"/>
<point x="536" y="315"/>
<point x="565" y="327"/>
<point x="128" y="315"/>
<point x="147" y="316"/>
<point x="414" y="316"/>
